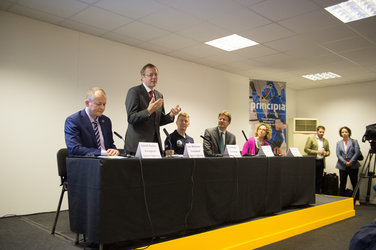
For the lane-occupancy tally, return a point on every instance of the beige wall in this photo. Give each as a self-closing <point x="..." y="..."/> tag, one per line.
<point x="350" y="105"/>
<point x="45" y="71"/>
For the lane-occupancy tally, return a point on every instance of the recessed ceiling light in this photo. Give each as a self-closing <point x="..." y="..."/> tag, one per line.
<point x="321" y="76"/>
<point x="232" y="42"/>
<point x="353" y="10"/>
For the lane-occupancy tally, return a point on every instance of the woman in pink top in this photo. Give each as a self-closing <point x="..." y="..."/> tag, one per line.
<point x="263" y="132"/>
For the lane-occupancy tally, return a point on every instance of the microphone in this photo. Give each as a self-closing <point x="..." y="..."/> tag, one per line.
<point x="246" y="139"/>
<point x="116" y="133"/>
<point x="168" y="137"/>
<point x="211" y="145"/>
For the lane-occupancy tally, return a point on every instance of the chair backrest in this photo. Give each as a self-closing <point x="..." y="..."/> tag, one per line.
<point x="62" y="168"/>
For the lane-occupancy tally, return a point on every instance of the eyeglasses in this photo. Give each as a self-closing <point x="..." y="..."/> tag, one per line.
<point x="151" y="75"/>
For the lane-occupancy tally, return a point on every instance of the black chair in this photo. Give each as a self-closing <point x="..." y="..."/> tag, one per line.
<point x="62" y="154"/>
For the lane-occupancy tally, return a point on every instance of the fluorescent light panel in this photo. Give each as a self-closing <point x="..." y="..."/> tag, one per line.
<point x="353" y="10"/>
<point x="321" y="76"/>
<point x="232" y="42"/>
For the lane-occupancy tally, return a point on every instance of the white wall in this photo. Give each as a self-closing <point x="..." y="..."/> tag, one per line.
<point x="350" y="105"/>
<point x="45" y="71"/>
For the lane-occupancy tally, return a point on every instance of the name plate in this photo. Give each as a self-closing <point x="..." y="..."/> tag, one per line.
<point x="294" y="152"/>
<point x="232" y="151"/>
<point x="148" y="150"/>
<point x="194" y="150"/>
<point x="266" y="151"/>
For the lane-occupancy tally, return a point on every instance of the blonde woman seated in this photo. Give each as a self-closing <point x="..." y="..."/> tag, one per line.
<point x="263" y="132"/>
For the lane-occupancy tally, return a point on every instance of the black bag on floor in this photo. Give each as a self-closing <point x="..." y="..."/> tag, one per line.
<point x="330" y="184"/>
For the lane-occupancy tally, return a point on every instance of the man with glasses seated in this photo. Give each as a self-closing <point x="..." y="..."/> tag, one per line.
<point x="145" y="111"/>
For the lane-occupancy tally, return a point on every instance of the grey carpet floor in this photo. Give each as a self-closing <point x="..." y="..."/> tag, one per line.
<point x="34" y="232"/>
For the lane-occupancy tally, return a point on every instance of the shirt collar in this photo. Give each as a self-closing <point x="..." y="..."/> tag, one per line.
<point x="147" y="88"/>
<point x="219" y="131"/>
<point x="90" y="118"/>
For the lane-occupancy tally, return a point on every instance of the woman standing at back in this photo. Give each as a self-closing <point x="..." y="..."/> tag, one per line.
<point x="347" y="153"/>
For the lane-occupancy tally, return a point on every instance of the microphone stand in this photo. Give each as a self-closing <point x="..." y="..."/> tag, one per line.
<point x="246" y="140"/>
<point x="119" y="136"/>
<point x="168" y="138"/>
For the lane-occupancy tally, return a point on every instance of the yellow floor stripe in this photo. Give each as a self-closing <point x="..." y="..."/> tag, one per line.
<point x="261" y="232"/>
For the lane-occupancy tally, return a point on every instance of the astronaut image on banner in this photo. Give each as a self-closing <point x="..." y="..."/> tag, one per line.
<point x="267" y="103"/>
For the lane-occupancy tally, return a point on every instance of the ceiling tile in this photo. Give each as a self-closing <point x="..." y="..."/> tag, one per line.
<point x="277" y="10"/>
<point x="141" y="31"/>
<point x="4" y="5"/>
<point x="365" y="27"/>
<point x="173" y="41"/>
<point x="59" y="8"/>
<point x="331" y="34"/>
<point x="354" y="43"/>
<point x="201" y="51"/>
<point x="255" y="51"/>
<point x="362" y="56"/>
<point x="290" y="43"/>
<point x="134" y="9"/>
<point x="203" y="32"/>
<point x="129" y="40"/>
<point x="163" y="19"/>
<point x="239" y="19"/>
<point x="101" y="18"/>
<point x="36" y="14"/>
<point x="74" y="25"/>
<point x="316" y="20"/>
<point x="267" y="33"/>
<point x="154" y="47"/>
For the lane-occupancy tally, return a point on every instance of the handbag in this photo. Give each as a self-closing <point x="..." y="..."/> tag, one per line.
<point x="360" y="157"/>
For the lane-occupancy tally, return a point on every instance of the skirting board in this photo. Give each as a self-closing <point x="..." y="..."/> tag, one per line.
<point x="261" y="232"/>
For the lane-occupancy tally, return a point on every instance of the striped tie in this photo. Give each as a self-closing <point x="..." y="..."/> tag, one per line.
<point x="96" y="132"/>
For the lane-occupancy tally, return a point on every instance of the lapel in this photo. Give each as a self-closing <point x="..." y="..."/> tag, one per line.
<point x="349" y="144"/>
<point x="87" y="124"/>
<point x="218" y="135"/>
<point x="102" y="124"/>
<point x="342" y="146"/>
<point x="145" y="95"/>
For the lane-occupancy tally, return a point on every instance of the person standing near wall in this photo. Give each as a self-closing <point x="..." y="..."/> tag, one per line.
<point x="347" y="153"/>
<point x="318" y="146"/>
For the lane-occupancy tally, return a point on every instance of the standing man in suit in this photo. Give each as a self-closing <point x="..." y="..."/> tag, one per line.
<point x="318" y="146"/>
<point x="218" y="137"/>
<point x="145" y="111"/>
<point x="89" y="132"/>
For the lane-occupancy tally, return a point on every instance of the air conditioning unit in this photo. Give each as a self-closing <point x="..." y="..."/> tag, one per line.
<point x="298" y="129"/>
<point x="304" y="125"/>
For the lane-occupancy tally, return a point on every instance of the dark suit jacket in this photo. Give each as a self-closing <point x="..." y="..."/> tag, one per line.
<point x="80" y="137"/>
<point x="141" y="126"/>
<point x="213" y="148"/>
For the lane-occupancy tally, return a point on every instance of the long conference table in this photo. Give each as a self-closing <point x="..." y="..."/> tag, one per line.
<point x="112" y="200"/>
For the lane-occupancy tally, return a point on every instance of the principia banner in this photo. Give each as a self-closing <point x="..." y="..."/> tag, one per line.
<point x="267" y="104"/>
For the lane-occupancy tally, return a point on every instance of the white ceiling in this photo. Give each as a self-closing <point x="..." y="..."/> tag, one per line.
<point x="296" y="37"/>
